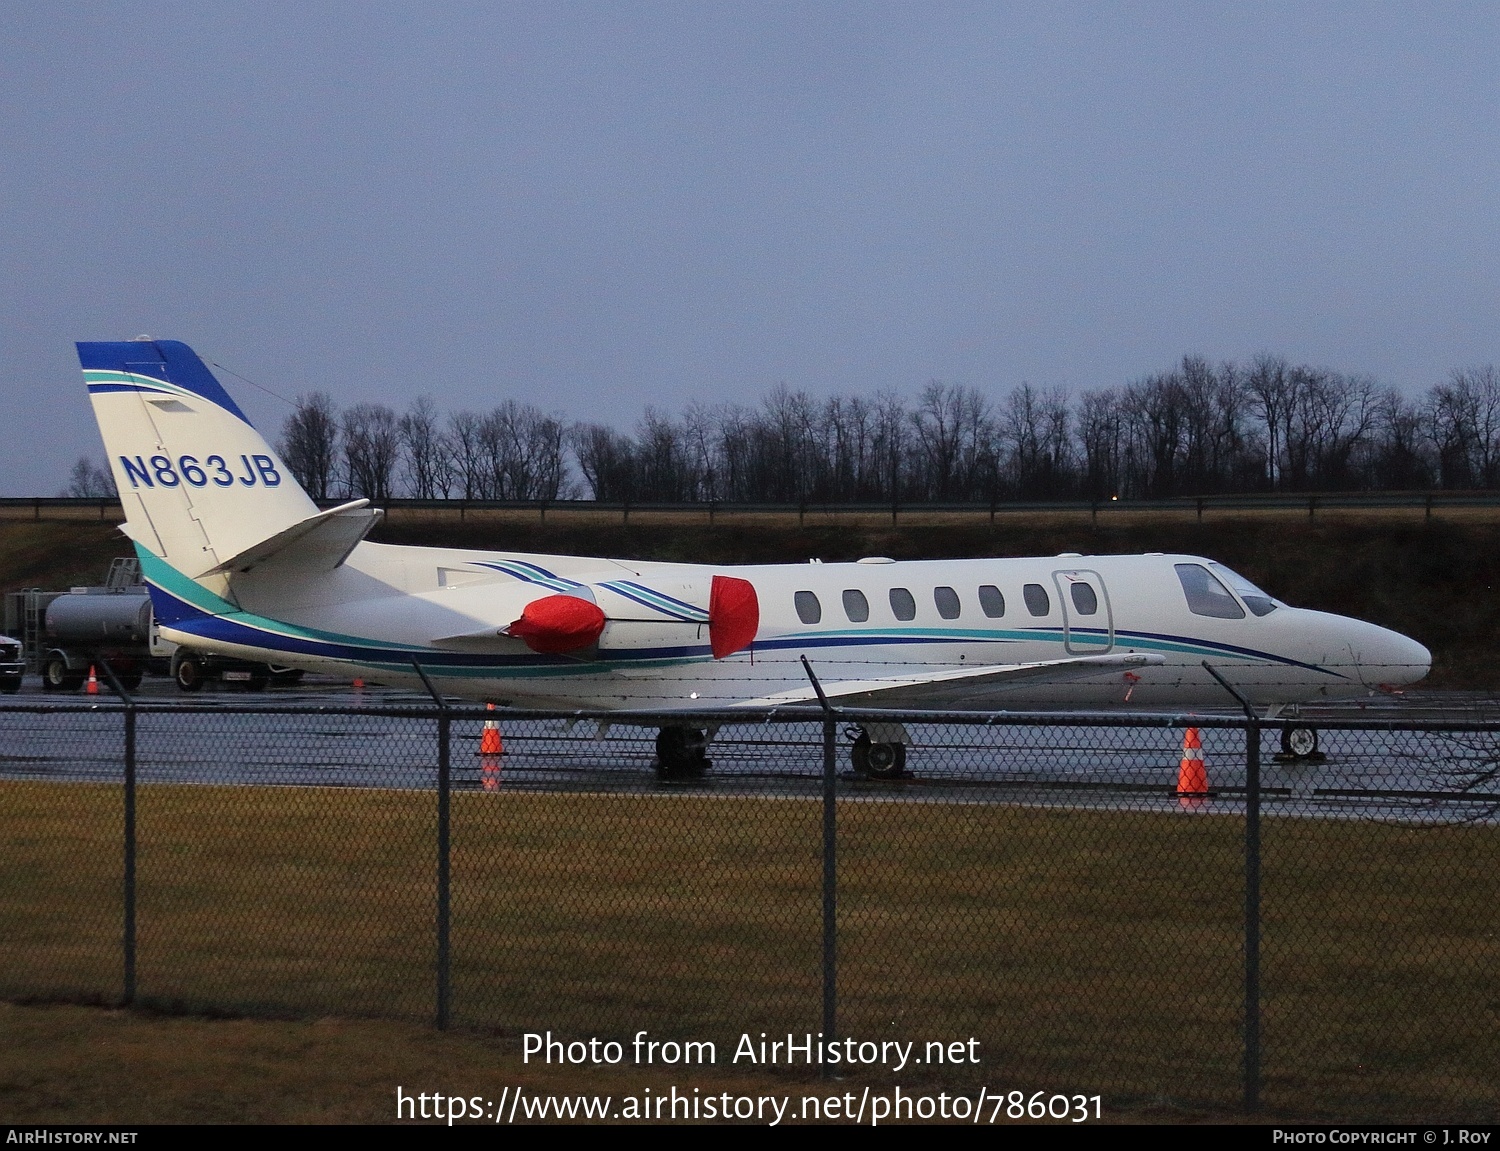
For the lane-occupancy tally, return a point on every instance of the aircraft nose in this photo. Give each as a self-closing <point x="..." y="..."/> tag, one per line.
<point x="1392" y="660"/>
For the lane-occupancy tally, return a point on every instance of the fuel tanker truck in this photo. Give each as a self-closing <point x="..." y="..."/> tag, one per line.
<point x="83" y="629"/>
<point x="64" y="634"/>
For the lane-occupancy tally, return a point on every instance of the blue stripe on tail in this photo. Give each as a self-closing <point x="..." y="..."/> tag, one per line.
<point x="168" y="360"/>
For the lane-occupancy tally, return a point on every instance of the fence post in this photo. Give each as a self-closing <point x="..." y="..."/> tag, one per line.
<point x="128" y="895"/>
<point x="1252" y="914"/>
<point x="1252" y="894"/>
<point x="444" y="851"/>
<point x="830" y="864"/>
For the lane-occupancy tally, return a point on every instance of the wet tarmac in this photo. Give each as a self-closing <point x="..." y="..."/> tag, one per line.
<point x="1401" y="775"/>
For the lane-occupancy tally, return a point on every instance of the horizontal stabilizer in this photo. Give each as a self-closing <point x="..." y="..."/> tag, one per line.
<point x="319" y="543"/>
<point x="965" y="687"/>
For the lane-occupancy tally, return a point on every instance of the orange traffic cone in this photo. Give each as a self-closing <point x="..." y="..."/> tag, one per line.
<point x="1192" y="773"/>
<point x="93" y="685"/>
<point x="489" y="742"/>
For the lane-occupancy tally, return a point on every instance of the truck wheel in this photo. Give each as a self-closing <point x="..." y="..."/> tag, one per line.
<point x="189" y="673"/>
<point x="10" y="684"/>
<point x="57" y="677"/>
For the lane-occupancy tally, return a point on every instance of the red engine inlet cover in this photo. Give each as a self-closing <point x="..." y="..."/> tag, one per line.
<point x="558" y="623"/>
<point x="733" y="615"/>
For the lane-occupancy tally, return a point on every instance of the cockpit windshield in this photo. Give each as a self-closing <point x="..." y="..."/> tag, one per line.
<point x="1255" y="599"/>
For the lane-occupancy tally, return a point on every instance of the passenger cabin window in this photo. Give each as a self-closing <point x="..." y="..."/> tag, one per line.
<point x="947" y="603"/>
<point x="856" y="607"/>
<point x="903" y="604"/>
<point x="991" y="602"/>
<point x="1085" y="601"/>
<point x="809" y="610"/>
<point x="1038" y="602"/>
<point x="1205" y="594"/>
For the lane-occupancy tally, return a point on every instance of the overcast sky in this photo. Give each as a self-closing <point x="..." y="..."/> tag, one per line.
<point x="595" y="207"/>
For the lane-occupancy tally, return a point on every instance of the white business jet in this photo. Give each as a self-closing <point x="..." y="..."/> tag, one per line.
<point x="242" y="564"/>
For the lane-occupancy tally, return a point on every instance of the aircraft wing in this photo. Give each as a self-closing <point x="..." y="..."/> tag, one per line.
<point x="964" y="687"/>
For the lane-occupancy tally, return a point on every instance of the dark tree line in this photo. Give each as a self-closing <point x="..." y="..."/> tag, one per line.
<point x="1199" y="429"/>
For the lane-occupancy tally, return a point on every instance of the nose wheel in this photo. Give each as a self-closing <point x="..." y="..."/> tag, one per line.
<point x="1300" y="743"/>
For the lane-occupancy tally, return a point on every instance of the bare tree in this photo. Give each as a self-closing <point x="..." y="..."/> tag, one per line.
<point x="1395" y="459"/>
<point x="466" y="447"/>
<point x="372" y="450"/>
<point x="891" y="446"/>
<point x="1154" y="412"/>
<point x="1463" y="424"/>
<point x="1036" y="438"/>
<point x="1329" y="415"/>
<point x="89" y="481"/>
<point x="1101" y="438"/>
<point x="664" y="461"/>
<point x="952" y="433"/>
<point x="522" y="451"/>
<point x="309" y="444"/>
<point x="1271" y="391"/>
<point x="607" y="461"/>
<point x="699" y="430"/>
<point x="429" y="471"/>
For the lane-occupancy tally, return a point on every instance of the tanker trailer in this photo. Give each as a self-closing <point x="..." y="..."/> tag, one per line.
<point x="93" y="626"/>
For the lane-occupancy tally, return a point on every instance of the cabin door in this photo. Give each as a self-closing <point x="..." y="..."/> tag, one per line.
<point x="1088" y="622"/>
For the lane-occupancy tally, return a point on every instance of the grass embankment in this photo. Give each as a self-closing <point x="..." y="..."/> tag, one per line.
<point x="1088" y="951"/>
<point x="1434" y="580"/>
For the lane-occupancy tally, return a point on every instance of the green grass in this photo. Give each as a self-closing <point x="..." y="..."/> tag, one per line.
<point x="1088" y="951"/>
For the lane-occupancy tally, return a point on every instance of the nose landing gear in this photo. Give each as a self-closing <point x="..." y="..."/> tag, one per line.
<point x="1300" y="743"/>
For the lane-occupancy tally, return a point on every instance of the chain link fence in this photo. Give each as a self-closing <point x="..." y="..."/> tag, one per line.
<point x="1314" y="935"/>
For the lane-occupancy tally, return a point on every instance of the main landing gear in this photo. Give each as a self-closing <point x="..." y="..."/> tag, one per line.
<point x="681" y="753"/>
<point x="874" y="759"/>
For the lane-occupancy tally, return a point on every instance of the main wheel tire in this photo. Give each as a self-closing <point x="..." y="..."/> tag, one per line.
<point x="681" y="753"/>
<point x="10" y="684"/>
<point x="57" y="677"/>
<point x="1299" y="742"/>
<point x="189" y="673"/>
<point x="878" y="760"/>
<point x="130" y="680"/>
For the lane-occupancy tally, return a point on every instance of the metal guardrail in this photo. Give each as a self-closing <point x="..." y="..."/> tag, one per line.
<point x="105" y="510"/>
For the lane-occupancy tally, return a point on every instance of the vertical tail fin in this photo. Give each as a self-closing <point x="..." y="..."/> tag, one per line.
<point x="199" y="484"/>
